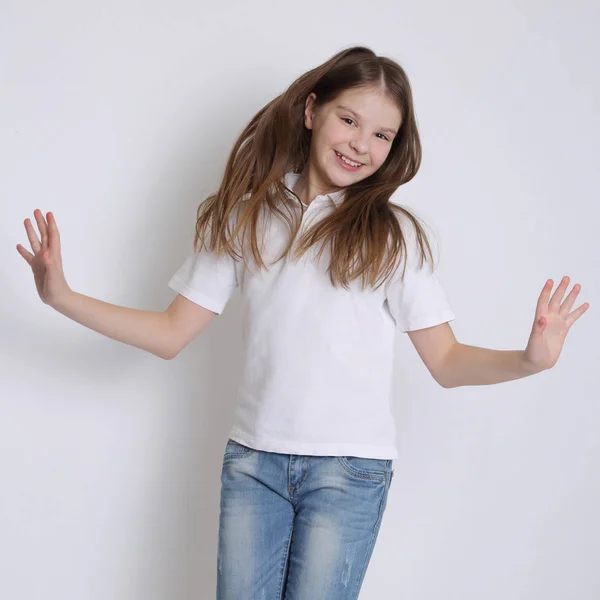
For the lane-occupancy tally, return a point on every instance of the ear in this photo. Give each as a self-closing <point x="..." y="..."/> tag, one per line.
<point x="309" y="110"/>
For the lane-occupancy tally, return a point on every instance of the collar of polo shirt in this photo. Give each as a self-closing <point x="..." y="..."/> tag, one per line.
<point x="291" y="178"/>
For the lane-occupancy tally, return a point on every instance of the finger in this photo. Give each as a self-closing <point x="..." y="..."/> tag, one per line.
<point x="569" y="300"/>
<point x="25" y="254"/>
<point x="41" y="223"/>
<point x="53" y="235"/>
<point x="576" y="314"/>
<point x="32" y="236"/>
<point x="557" y="297"/>
<point x="542" y="303"/>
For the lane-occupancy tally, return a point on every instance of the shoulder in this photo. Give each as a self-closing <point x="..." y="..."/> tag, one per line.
<point x="411" y="224"/>
<point x="419" y="250"/>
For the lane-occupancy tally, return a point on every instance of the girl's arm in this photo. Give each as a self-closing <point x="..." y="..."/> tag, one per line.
<point x="163" y="334"/>
<point x="454" y="364"/>
<point x="471" y="365"/>
<point x="144" y="329"/>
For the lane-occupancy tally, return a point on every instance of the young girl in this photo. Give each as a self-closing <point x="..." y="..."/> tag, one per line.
<point x="329" y="268"/>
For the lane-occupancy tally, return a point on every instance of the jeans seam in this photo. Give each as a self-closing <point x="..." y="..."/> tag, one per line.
<point x="369" y="551"/>
<point x="361" y="474"/>
<point x="285" y="560"/>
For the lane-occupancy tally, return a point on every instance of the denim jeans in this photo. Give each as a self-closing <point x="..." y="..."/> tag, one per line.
<point x="296" y="527"/>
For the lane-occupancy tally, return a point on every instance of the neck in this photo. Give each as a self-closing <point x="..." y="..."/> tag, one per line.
<point x="306" y="190"/>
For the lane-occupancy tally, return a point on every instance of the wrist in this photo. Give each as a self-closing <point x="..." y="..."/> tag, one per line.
<point x="61" y="301"/>
<point x="528" y="367"/>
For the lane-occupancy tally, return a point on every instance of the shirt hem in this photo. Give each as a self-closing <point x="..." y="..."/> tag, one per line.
<point x="195" y="296"/>
<point x="429" y="321"/>
<point x="314" y="448"/>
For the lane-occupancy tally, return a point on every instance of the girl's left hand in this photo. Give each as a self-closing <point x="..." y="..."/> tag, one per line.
<point x="551" y="325"/>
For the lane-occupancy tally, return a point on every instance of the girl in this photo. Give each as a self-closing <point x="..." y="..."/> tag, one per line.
<point x="329" y="269"/>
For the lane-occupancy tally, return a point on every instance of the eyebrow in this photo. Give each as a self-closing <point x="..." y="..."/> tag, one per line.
<point x="358" y="117"/>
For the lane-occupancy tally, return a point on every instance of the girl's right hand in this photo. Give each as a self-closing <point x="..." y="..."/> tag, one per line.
<point x="46" y="261"/>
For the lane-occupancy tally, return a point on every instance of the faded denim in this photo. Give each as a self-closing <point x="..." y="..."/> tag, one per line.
<point x="294" y="527"/>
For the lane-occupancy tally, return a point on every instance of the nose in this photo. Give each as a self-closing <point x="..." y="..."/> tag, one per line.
<point x="359" y="145"/>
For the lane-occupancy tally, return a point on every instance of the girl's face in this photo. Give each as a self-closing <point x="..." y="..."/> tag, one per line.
<point x="360" y="125"/>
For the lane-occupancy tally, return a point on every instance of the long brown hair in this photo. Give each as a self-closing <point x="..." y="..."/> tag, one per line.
<point x="364" y="234"/>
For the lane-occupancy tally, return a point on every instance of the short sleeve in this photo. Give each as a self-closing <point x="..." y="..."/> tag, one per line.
<point x="206" y="279"/>
<point x="419" y="301"/>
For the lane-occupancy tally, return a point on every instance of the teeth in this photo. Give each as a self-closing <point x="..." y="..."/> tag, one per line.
<point x="353" y="164"/>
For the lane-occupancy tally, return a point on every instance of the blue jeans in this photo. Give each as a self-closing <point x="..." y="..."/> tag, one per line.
<point x="295" y="527"/>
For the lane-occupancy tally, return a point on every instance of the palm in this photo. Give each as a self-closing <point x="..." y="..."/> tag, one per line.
<point x="39" y="274"/>
<point x="47" y="270"/>
<point x="551" y="325"/>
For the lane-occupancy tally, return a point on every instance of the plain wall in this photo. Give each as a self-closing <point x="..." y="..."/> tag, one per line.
<point x="119" y="117"/>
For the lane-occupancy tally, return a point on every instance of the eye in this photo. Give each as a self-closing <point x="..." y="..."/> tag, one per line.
<point x="349" y="119"/>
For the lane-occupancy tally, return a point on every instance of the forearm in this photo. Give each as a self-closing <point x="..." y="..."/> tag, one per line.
<point x="147" y="330"/>
<point x="471" y="365"/>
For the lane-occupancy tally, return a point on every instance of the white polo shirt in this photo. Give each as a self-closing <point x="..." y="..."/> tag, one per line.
<point x="318" y="361"/>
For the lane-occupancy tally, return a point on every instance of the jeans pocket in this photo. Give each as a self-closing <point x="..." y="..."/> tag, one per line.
<point x="236" y="450"/>
<point x="378" y="469"/>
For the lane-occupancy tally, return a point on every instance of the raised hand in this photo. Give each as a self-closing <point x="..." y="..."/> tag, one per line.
<point x="46" y="260"/>
<point x="552" y="322"/>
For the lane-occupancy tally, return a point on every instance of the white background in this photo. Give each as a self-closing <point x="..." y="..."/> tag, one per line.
<point x="119" y="116"/>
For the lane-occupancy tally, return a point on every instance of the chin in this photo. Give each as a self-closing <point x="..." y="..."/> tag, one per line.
<point x="347" y="176"/>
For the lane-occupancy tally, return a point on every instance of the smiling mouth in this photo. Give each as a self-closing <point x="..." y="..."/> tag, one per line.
<point x="348" y="158"/>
